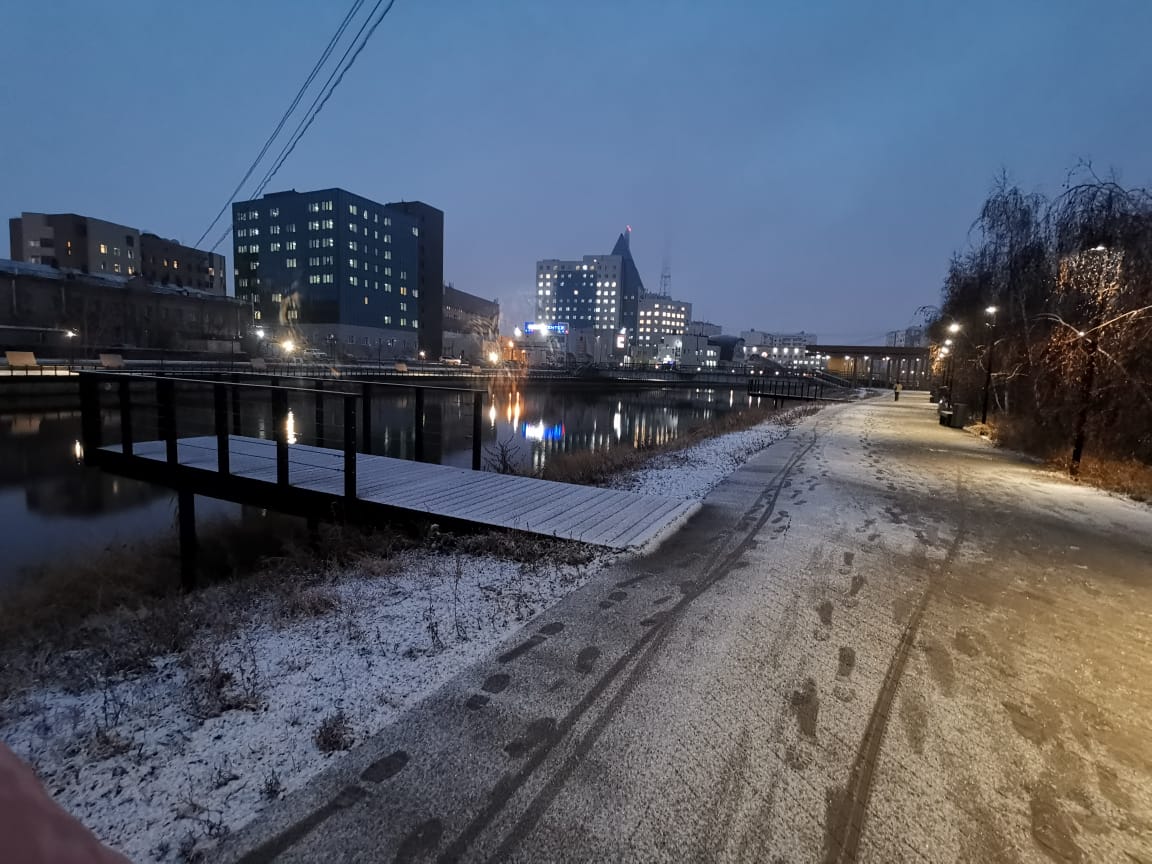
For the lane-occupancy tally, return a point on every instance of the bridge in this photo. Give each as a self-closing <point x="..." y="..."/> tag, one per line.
<point x="878" y="365"/>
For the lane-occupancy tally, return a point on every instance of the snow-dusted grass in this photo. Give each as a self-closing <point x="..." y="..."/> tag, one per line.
<point x="161" y="761"/>
<point x="695" y="471"/>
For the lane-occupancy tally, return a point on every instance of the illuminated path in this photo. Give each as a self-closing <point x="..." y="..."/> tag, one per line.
<point x="880" y="640"/>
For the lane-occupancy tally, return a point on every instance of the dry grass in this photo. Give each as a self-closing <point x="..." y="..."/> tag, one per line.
<point x="598" y="468"/>
<point x="334" y="733"/>
<point x="1126" y="476"/>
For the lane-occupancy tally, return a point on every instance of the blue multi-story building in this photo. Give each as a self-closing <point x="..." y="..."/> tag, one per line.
<point x="331" y="270"/>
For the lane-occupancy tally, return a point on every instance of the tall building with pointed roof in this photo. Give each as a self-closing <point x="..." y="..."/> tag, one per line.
<point x="631" y="285"/>
<point x="599" y="292"/>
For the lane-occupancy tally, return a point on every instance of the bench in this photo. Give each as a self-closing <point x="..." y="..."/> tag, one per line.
<point x="21" y="359"/>
<point x="111" y="361"/>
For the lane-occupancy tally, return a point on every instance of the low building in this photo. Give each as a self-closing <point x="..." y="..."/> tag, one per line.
<point x="909" y="337"/>
<point x="703" y="328"/>
<point x="109" y="310"/>
<point x="471" y="325"/>
<point x="757" y="341"/>
<point x="167" y="262"/>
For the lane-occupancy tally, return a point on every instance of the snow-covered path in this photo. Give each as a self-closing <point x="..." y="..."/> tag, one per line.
<point x="161" y="765"/>
<point x="880" y="640"/>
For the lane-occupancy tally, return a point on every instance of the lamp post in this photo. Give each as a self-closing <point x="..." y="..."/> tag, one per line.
<point x="991" y="312"/>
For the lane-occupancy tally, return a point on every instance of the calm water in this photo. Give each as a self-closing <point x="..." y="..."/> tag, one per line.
<point x="53" y="507"/>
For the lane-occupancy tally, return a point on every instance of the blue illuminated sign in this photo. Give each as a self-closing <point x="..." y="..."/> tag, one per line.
<point x="559" y="328"/>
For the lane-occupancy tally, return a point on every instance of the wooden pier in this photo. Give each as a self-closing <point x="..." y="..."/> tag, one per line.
<point x="347" y="484"/>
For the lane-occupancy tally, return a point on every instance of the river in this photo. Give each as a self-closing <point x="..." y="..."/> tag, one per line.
<point x="53" y="507"/>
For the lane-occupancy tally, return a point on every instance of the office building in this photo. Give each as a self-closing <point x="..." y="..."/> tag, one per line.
<point x="596" y="292"/>
<point x="583" y="294"/>
<point x="429" y="272"/>
<point x="662" y="322"/>
<point x="70" y="241"/>
<point x="167" y="262"/>
<point x="330" y="269"/>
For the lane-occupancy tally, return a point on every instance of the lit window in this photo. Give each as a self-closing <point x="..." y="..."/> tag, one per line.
<point x="253" y="232"/>
<point x="352" y="227"/>
<point x="253" y="214"/>
<point x="314" y="279"/>
<point x="314" y="207"/>
<point x="290" y="262"/>
<point x="353" y="245"/>
<point x="415" y="232"/>
<point x="328" y="223"/>
<point x="116" y="267"/>
<point x="328" y="279"/>
<point x="314" y="225"/>
<point x="403" y="291"/>
<point x="274" y="212"/>
<point x="290" y="245"/>
<point x="103" y="248"/>
<point x="273" y="247"/>
<point x="352" y="209"/>
<point x="327" y="205"/>
<point x="387" y="255"/>
<point x="256" y="314"/>
<point x="276" y="298"/>
<point x="275" y="229"/>
<point x="403" y="322"/>
<point x="387" y="319"/>
<point x="365" y="300"/>
<point x="352" y="263"/>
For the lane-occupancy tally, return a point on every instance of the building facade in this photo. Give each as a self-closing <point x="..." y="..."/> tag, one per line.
<point x="756" y="341"/>
<point x="167" y="262"/>
<point x="909" y="337"/>
<point x="471" y="326"/>
<point x="111" y="311"/>
<point x="583" y="294"/>
<point x="703" y="328"/>
<point x="596" y="292"/>
<point x="662" y="323"/>
<point x="70" y="241"/>
<point x="430" y="272"/>
<point x="330" y="269"/>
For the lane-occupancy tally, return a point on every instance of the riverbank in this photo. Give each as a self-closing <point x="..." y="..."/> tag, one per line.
<point x="218" y="702"/>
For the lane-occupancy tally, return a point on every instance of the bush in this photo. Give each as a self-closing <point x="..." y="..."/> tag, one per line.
<point x="333" y="733"/>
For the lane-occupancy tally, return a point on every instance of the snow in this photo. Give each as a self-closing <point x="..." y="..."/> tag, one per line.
<point x="692" y="473"/>
<point x="156" y="772"/>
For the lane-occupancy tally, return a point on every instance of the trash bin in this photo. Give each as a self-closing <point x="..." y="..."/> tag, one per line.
<point x="960" y="415"/>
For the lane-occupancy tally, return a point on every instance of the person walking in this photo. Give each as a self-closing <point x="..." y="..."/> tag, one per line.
<point x="896" y="388"/>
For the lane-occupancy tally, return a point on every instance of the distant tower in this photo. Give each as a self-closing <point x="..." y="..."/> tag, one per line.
<point x="666" y="278"/>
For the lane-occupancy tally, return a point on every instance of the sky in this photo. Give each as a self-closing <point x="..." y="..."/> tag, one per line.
<point x="798" y="165"/>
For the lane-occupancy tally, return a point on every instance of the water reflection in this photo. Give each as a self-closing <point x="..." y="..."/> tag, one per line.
<point x="50" y="504"/>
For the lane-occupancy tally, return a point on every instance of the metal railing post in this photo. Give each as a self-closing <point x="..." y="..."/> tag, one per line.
<point x="220" y="416"/>
<point x="318" y="387"/>
<point x="366" y="420"/>
<point x="350" y="446"/>
<point x="477" y="427"/>
<point x="166" y="399"/>
<point x="125" y="417"/>
<point x="419" y="424"/>
<point x="235" y="378"/>
<point x="280" y="429"/>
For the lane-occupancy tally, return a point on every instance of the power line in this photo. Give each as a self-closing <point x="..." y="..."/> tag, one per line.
<point x="288" y="113"/>
<point x="334" y="79"/>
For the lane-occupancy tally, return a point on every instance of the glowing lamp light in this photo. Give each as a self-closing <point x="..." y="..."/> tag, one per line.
<point x="493" y="357"/>
<point x="954" y="327"/>
<point x="288" y="345"/>
<point x="947" y="341"/>
<point x="991" y="310"/>
<point x="259" y="332"/>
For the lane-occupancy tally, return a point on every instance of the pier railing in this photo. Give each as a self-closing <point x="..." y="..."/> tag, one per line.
<point x="178" y="415"/>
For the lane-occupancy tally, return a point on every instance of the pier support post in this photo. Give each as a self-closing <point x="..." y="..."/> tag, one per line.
<point x="186" y="518"/>
<point x="477" y="427"/>
<point x="366" y="419"/>
<point x="318" y="387"/>
<point x="419" y="424"/>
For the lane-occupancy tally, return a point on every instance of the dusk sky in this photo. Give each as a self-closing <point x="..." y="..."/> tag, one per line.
<point x="802" y="165"/>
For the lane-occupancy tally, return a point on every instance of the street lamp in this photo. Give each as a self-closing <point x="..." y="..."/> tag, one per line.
<point x="991" y="312"/>
<point x="954" y="327"/>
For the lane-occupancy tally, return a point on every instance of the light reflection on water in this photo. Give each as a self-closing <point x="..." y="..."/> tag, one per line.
<point x="51" y="505"/>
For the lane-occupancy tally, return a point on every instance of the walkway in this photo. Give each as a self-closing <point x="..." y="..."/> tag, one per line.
<point x="602" y="517"/>
<point x="881" y="640"/>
